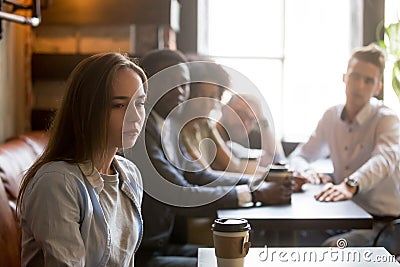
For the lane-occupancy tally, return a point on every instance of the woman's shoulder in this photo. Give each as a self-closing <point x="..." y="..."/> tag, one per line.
<point x="60" y="167"/>
<point x="57" y="175"/>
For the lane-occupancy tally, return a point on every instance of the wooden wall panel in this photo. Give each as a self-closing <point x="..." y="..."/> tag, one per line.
<point x="107" y="12"/>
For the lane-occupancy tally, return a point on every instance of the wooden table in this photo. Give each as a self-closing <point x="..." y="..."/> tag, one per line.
<point x="305" y="212"/>
<point x="310" y="256"/>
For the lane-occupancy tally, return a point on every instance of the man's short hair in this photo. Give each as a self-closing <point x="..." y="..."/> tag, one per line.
<point x="371" y="54"/>
<point x="156" y="60"/>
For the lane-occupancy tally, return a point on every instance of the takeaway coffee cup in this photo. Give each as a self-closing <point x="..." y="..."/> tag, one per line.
<point x="278" y="173"/>
<point x="231" y="241"/>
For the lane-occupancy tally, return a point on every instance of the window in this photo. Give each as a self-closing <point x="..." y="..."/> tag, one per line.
<point x="294" y="51"/>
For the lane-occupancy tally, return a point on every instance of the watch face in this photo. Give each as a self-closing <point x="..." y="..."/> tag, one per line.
<point x="351" y="182"/>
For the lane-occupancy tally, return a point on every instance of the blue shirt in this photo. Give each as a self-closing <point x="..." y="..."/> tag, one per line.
<point x="62" y="220"/>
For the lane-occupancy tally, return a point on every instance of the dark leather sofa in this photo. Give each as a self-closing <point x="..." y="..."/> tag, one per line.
<point x="16" y="156"/>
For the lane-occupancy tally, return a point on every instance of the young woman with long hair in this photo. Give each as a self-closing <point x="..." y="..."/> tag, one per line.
<point x="79" y="204"/>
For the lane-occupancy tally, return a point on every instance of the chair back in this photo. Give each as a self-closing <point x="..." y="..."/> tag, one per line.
<point x="389" y="237"/>
<point x="9" y="233"/>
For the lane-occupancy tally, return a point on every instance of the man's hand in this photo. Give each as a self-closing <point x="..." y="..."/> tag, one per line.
<point x="273" y="193"/>
<point x="324" y="178"/>
<point x="332" y="193"/>
<point x="298" y="180"/>
<point x="312" y="177"/>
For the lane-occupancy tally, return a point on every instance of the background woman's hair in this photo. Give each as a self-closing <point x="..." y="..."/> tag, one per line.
<point x="208" y="72"/>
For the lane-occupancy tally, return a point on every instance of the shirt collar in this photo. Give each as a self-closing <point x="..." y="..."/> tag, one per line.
<point x="92" y="175"/>
<point x="369" y="110"/>
<point x="365" y="113"/>
<point x="94" y="178"/>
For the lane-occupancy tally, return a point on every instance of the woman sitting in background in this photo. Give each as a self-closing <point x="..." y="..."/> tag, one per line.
<point x="199" y="135"/>
<point x="79" y="204"/>
<point x="242" y="121"/>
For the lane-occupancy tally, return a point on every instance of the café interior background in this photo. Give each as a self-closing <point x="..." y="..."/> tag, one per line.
<point x="34" y="62"/>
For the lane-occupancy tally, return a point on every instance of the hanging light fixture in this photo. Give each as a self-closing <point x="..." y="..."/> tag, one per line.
<point x="34" y="21"/>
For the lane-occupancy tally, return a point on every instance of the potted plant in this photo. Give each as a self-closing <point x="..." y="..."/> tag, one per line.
<point x="391" y="46"/>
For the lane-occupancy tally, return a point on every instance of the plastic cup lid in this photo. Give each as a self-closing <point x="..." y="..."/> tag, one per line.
<point x="278" y="168"/>
<point x="230" y="225"/>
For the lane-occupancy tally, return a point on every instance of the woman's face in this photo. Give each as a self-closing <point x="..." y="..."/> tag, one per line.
<point x="127" y="109"/>
<point x="238" y="119"/>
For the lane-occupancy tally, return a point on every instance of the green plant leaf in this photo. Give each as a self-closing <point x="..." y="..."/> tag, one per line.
<point x="391" y="47"/>
<point x="396" y="78"/>
<point x="392" y="41"/>
<point x="381" y="44"/>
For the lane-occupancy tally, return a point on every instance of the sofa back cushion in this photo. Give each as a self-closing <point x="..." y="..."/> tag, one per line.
<point x="16" y="156"/>
<point x="9" y="233"/>
<point x="37" y="140"/>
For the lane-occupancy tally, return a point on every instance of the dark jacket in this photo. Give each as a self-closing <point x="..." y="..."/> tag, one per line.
<point x="158" y="216"/>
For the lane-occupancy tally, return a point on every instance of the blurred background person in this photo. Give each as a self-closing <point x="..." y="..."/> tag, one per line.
<point x="245" y="110"/>
<point x="172" y="189"/>
<point x="199" y="134"/>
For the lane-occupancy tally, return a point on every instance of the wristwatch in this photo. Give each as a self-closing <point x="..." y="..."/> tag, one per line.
<point x="352" y="183"/>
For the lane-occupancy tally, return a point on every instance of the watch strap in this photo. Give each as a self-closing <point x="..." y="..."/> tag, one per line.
<point x="352" y="183"/>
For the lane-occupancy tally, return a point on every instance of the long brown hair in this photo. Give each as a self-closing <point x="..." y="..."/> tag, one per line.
<point x="79" y="132"/>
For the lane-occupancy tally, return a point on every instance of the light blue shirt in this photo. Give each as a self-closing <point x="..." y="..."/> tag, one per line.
<point x="62" y="220"/>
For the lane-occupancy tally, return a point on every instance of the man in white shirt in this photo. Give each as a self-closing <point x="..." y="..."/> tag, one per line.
<point x="362" y="139"/>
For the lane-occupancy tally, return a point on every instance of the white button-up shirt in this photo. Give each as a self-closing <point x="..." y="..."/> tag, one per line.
<point x="366" y="149"/>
